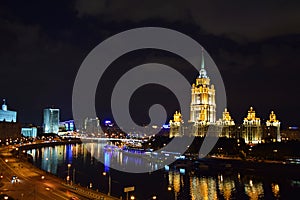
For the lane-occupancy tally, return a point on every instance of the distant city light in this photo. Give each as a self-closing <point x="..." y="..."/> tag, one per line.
<point x="293" y="127"/>
<point x="107" y="122"/>
<point x="166" y="126"/>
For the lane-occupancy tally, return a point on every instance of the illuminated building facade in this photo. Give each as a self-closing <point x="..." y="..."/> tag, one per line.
<point x="203" y="105"/>
<point x="176" y="125"/>
<point x="29" y="132"/>
<point x="252" y="131"/>
<point x="227" y="125"/>
<point x="51" y="120"/>
<point x="272" y="133"/>
<point x="67" y="125"/>
<point x="7" y="115"/>
<point x="10" y="129"/>
<point x="91" y="125"/>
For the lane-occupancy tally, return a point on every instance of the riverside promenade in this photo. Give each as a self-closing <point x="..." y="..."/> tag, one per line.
<point x="36" y="184"/>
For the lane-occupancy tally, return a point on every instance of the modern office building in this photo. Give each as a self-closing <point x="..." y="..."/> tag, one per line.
<point x="30" y="132"/>
<point x="7" y="115"/>
<point x="51" y="120"/>
<point x="91" y="125"/>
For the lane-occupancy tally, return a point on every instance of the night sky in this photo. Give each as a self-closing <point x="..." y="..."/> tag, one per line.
<point x="255" y="44"/>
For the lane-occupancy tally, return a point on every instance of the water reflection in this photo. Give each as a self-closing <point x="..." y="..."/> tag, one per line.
<point x="194" y="185"/>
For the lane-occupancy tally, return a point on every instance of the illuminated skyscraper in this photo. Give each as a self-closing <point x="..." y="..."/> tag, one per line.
<point x="252" y="132"/>
<point x="203" y="104"/>
<point x="51" y="120"/>
<point x="92" y="125"/>
<point x="273" y="129"/>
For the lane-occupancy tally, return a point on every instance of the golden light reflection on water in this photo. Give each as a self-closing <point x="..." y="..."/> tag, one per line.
<point x="196" y="186"/>
<point x="254" y="190"/>
<point x="203" y="188"/>
<point x="226" y="186"/>
<point x="275" y="190"/>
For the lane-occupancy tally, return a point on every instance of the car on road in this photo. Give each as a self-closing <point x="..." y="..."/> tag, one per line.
<point x="14" y="179"/>
<point x="74" y="198"/>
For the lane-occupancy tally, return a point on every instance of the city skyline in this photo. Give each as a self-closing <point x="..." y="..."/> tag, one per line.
<point x="258" y="60"/>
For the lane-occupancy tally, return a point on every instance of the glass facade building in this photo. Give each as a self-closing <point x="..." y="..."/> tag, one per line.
<point x="51" y="120"/>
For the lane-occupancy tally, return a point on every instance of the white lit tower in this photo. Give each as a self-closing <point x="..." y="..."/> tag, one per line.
<point x="203" y="104"/>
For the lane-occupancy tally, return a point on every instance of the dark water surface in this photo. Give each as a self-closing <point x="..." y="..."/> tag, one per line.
<point x="171" y="184"/>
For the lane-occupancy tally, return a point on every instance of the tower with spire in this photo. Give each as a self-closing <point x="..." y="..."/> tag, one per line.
<point x="203" y="104"/>
<point x="252" y="132"/>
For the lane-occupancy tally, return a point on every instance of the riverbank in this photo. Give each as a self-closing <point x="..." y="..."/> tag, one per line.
<point x="34" y="183"/>
<point x="227" y="164"/>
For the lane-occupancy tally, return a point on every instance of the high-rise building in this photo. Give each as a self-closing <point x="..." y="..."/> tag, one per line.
<point x="272" y="133"/>
<point x="227" y="124"/>
<point x="203" y="104"/>
<point x="252" y="131"/>
<point x="92" y="125"/>
<point x="7" y="115"/>
<point x="51" y="120"/>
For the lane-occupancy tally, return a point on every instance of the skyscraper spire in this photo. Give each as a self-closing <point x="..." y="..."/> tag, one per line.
<point x="202" y="73"/>
<point x="202" y="59"/>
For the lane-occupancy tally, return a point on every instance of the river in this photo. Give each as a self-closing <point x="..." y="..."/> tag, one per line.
<point x="164" y="184"/>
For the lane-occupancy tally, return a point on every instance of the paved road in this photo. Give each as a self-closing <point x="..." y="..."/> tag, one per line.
<point x="32" y="186"/>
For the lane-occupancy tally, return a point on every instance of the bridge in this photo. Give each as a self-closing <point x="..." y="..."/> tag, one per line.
<point x="110" y="139"/>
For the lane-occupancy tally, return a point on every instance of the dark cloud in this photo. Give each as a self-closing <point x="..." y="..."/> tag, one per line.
<point x="255" y="44"/>
<point x="238" y="20"/>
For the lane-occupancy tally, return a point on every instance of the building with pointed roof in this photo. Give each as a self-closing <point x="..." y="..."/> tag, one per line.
<point x="227" y="125"/>
<point x="203" y="104"/>
<point x="176" y="125"/>
<point x="252" y="131"/>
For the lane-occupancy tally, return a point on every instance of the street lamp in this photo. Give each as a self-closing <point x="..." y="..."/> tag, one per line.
<point x="68" y="177"/>
<point x="170" y="189"/>
<point x="132" y="197"/>
<point x="109" y="182"/>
